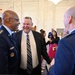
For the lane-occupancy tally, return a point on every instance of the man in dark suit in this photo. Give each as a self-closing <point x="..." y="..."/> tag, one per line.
<point x="65" y="56"/>
<point x="37" y="48"/>
<point x="8" y="48"/>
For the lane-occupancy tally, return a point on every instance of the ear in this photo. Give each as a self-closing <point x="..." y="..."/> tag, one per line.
<point x="7" y="20"/>
<point x="70" y="19"/>
<point x="32" y="24"/>
<point x="10" y="21"/>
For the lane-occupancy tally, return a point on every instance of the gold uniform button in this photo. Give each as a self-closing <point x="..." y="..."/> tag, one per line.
<point x="12" y="54"/>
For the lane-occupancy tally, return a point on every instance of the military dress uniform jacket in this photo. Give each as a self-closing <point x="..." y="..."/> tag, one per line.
<point x="65" y="56"/>
<point x="8" y="53"/>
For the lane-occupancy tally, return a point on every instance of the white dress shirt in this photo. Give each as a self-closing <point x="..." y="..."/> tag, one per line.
<point x="71" y="31"/>
<point x="24" y="50"/>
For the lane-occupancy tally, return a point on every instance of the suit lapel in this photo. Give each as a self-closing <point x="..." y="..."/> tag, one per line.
<point x="6" y="33"/>
<point x="19" y="38"/>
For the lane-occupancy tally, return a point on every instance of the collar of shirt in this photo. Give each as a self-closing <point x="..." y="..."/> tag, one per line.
<point x="71" y="31"/>
<point x="28" y="33"/>
<point x="0" y="26"/>
<point x="10" y="32"/>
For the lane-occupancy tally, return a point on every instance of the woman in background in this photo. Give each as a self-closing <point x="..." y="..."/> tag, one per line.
<point x="53" y="45"/>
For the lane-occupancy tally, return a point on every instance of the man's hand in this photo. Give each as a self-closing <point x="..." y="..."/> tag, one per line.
<point x="52" y="62"/>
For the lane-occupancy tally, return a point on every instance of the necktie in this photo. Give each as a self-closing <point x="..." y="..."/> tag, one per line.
<point x="29" y="57"/>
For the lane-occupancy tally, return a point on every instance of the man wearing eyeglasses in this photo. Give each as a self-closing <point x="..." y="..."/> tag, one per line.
<point x="8" y="47"/>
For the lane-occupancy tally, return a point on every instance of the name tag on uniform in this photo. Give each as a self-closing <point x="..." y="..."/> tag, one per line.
<point x="12" y="48"/>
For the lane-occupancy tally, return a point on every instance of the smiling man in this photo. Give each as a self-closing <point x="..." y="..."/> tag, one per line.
<point x="31" y="47"/>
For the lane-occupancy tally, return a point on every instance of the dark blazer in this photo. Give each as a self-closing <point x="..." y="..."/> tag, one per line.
<point x="55" y="40"/>
<point x="65" y="57"/>
<point x="8" y="54"/>
<point x="41" y="50"/>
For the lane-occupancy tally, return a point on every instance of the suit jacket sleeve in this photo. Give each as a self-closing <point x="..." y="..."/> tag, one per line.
<point x="64" y="59"/>
<point x="44" y="51"/>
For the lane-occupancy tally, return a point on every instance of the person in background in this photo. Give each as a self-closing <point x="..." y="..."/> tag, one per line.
<point x="61" y="35"/>
<point x="34" y="28"/>
<point x="8" y="48"/>
<point x="50" y="34"/>
<point x="43" y="34"/>
<point x="0" y="22"/>
<point x="53" y="45"/>
<point x="35" y="48"/>
<point x="65" y="32"/>
<point x="64" y="62"/>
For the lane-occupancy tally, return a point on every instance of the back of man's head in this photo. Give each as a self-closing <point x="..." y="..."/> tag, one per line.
<point x="69" y="19"/>
<point x="71" y="12"/>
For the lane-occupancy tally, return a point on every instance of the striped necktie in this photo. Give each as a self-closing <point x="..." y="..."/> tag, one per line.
<point x="29" y="57"/>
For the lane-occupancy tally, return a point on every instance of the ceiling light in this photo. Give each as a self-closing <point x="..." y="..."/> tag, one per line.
<point x="55" y="1"/>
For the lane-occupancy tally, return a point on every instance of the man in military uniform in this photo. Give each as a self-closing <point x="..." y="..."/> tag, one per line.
<point x="65" y="56"/>
<point x="8" y="48"/>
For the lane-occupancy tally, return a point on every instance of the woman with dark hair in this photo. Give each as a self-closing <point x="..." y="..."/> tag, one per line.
<point x="53" y="45"/>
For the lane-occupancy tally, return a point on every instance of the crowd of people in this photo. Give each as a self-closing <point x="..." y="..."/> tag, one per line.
<point x="21" y="51"/>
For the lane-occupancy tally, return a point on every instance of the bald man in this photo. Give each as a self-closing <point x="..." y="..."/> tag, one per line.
<point x="8" y="48"/>
<point x="65" y="56"/>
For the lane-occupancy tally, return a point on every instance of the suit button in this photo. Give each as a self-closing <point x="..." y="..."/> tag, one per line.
<point x="12" y="54"/>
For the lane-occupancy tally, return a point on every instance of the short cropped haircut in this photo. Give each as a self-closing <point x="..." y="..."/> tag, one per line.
<point x="28" y="18"/>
